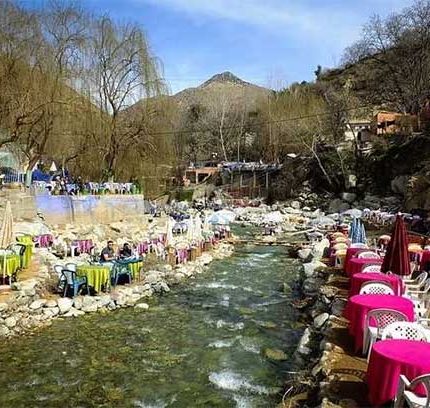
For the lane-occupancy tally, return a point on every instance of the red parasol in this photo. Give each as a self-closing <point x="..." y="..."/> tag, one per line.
<point x="397" y="257"/>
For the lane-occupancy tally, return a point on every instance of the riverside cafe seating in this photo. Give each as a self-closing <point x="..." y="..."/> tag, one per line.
<point x="389" y="322"/>
<point x="16" y="257"/>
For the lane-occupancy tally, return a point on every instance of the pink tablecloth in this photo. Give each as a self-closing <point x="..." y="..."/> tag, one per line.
<point x="350" y="253"/>
<point x="143" y="248"/>
<point x="45" y="240"/>
<point x="84" y="245"/>
<point x="359" y="305"/>
<point x="425" y="259"/>
<point x="389" y="359"/>
<point x="356" y="265"/>
<point x="359" y="278"/>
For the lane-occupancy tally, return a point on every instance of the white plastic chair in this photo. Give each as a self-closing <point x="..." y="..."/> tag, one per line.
<point x="422" y="293"/>
<point x="71" y="266"/>
<point x="369" y="255"/>
<point x="339" y="246"/>
<point x="339" y="260"/>
<point x="371" y="269"/>
<point x="405" y="393"/>
<point x="58" y="270"/>
<point x="417" y="282"/>
<point x="382" y="318"/>
<point x="405" y="331"/>
<point x="376" y="288"/>
<point x="359" y="245"/>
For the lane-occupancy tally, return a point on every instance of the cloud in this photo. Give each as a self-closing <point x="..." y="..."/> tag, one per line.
<point x="280" y="17"/>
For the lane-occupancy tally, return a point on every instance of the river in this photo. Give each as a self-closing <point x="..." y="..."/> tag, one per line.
<point x="199" y="346"/>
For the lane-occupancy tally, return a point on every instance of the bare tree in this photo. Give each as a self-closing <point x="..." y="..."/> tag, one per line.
<point x="121" y="70"/>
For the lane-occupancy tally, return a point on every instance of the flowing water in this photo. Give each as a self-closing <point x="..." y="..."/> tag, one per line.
<point x="199" y="346"/>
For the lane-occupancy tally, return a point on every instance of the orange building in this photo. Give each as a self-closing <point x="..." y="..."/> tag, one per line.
<point x="393" y="122"/>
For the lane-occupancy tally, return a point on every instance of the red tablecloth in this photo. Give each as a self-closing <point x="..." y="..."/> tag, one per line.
<point x="359" y="278"/>
<point x="425" y="259"/>
<point x="359" y="305"/>
<point x="356" y="265"/>
<point x="350" y="253"/>
<point x="389" y="359"/>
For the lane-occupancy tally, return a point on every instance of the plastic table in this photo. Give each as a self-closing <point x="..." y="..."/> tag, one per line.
<point x="359" y="305"/>
<point x="97" y="275"/>
<point x="389" y="359"/>
<point x="356" y="265"/>
<point x="358" y="279"/>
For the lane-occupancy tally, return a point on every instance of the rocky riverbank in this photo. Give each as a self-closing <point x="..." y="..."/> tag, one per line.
<point x="30" y="305"/>
<point x="335" y="376"/>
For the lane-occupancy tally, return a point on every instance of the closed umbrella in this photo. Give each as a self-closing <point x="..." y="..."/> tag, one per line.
<point x="190" y="231"/>
<point x="6" y="233"/>
<point x="397" y="257"/>
<point x="352" y="229"/>
<point x="169" y="232"/>
<point x="198" y="228"/>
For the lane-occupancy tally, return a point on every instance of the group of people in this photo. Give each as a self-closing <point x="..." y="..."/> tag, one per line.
<point x="108" y="253"/>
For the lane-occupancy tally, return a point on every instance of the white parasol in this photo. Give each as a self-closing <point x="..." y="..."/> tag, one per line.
<point x="6" y="233"/>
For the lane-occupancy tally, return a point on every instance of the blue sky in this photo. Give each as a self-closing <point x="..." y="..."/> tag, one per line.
<point x="268" y="42"/>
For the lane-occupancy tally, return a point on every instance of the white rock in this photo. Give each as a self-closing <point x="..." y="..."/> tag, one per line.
<point x="304" y="253"/>
<point x="3" y="307"/>
<point x="74" y="313"/>
<point x="104" y="300"/>
<point x="303" y="347"/>
<point x="64" y="304"/>
<point x="10" y="322"/>
<point x="51" y="303"/>
<point x="143" y="306"/>
<point x="78" y="302"/>
<point x="4" y="331"/>
<point x="37" y="304"/>
<point x="320" y="320"/>
<point x="90" y="308"/>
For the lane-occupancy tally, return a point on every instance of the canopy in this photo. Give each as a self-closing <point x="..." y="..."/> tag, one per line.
<point x="274" y="217"/>
<point x="397" y="257"/>
<point x="53" y="167"/>
<point x="222" y="217"/>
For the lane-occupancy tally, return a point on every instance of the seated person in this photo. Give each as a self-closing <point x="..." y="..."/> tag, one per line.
<point x="108" y="253"/>
<point x="125" y="251"/>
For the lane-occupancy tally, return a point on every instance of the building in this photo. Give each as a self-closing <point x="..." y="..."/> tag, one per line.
<point x="386" y="123"/>
<point x="358" y="130"/>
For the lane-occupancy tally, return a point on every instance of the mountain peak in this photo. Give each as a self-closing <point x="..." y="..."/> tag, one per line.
<point x="224" y="77"/>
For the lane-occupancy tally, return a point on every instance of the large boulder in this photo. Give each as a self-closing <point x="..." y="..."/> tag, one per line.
<point x="399" y="185"/>
<point x="337" y="206"/>
<point x="349" y="197"/>
<point x="64" y="304"/>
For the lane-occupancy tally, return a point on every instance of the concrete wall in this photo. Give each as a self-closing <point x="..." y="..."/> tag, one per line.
<point x="89" y="209"/>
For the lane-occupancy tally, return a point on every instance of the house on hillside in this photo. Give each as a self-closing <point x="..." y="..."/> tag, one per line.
<point x="386" y="123"/>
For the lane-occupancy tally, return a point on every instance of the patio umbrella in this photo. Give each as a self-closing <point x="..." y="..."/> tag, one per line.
<point x="6" y="233"/>
<point x="190" y="231"/>
<point x="352" y="229"/>
<point x="169" y="232"/>
<point x="198" y="228"/>
<point x="397" y="257"/>
<point x="357" y="233"/>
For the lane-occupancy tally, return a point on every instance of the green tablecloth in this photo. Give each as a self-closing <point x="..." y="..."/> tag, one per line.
<point x="97" y="275"/>
<point x="28" y="242"/>
<point x="135" y="269"/>
<point x="13" y="262"/>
